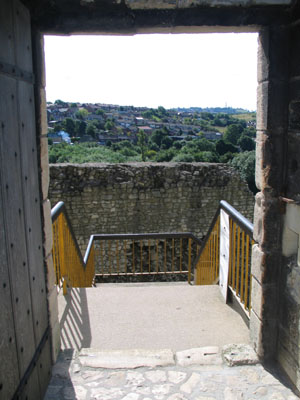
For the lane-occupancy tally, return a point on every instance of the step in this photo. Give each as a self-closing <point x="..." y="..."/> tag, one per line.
<point x="210" y="373"/>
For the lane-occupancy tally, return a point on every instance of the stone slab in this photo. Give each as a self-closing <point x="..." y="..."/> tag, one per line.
<point x="126" y="358"/>
<point x="239" y="354"/>
<point x="201" y="356"/>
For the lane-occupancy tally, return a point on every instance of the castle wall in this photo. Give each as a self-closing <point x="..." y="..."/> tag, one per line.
<point x="145" y="197"/>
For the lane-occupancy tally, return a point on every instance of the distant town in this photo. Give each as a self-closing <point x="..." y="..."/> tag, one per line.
<point x="106" y="123"/>
<point x="105" y="133"/>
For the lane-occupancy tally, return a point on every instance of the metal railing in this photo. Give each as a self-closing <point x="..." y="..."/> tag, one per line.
<point x="71" y="268"/>
<point x="145" y="254"/>
<point x="155" y="254"/>
<point x="118" y="254"/>
<point x="240" y="245"/>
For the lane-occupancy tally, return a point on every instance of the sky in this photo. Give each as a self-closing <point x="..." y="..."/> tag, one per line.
<point x="169" y="70"/>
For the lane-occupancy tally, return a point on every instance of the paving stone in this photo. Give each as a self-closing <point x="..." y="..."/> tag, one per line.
<point x="261" y="391"/>
<point x="116" y="378"/>
<point x="176" y="376"/>
<point x="239" y="354"/>
<point x="156" y="376"/>
<point x="277" y="396"/>
<point x="252" y="376"/>
<point x="232" y="394"/>
<point x="174" y="382"/>
<point x="145" y="390"/>
<point x="177" y="396"/>
<point x="161" y="389"/>
<point x="92" y="375"/>
<point x="131" y="396"/>
<point x="269" y="379"/>
<point x="202" y="355"/>
<point x="106" y="394"/>
<point x="191" y="383"/>
<point x="134" y="378"/>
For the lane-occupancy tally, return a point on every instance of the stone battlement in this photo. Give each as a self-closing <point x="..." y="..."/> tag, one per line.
<point x="146" y="197"/>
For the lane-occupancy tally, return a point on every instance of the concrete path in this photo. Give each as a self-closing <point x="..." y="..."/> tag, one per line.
<point x="150" y="316"/>
<point x="197" y="374"/>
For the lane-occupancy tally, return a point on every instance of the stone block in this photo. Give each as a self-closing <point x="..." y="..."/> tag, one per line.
<point x="39" y="59"/>
<point x="290" y="240"/>
<point x="48" y="239"/>
<point x="270" y="160"/>
<point x="128" y="359"/>
<point x="263" y="336"/>
<point x="44" y="167"/>
<point x="265" y="267"/>
<point x="295" y="51"/>
<point x="294" y="115"/>
<point x="55" y="341"/>
<point x="239" y="354"/>
<point x="199" y="356"/>
<point x="272" y="54"/>
<point x="267" y="222"/>
<point x="51" y="278"/>
<point x="293" y="165"/>
<point x="272" y="105"/>
<point x="290" y="318"/>
<point x="294" y="90"/>
<point x="41" y="113"/>
<point x="264" y="299"/>
<point x="289" y="365"/>
<point x="53" y="306"/>
<point x="256" y="334"/>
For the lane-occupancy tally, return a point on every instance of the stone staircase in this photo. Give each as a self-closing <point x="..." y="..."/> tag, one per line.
<point x="209" y="373"/>
<point x="111" y="327"/>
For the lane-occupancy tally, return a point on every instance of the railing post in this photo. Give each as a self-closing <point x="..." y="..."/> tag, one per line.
<point x="224" y="252"/>
<point x="190" y="261"/>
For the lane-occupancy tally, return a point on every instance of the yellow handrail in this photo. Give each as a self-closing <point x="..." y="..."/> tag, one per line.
<point x="71" y="269"/>
<point x="207" y="267"/>
<point x="240" y="245"/>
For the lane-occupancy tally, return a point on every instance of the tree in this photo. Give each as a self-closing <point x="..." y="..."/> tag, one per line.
<point x="181" y="157"/>
<point x="161" y="111"/>
<point x="80" y="128"/>
<point x="206" y="156"/>
<point x="246" y="143"/>
<point x="233" y="133"/>
<point x="109" y="125"/>
<point x="100" y="112"/>
<point x="57" y="127"/>
<point x="69" y="126"/>
<point x="222" y="147"/>
<point x="245" y="164"/>
<point x="165" y="155"/>
<point x="157" y="136"/>
<point x="91" y="130"/>
<point x="142" y="143"/>
<point x="82" y="113"/>
<point x="60" y="103"/>
<point x="166" y="142"/>
<point x="251" y="132"/>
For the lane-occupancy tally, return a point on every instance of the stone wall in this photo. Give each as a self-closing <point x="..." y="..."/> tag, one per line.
<point x="145" y="197"/>
<point x="289" y="321"/>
